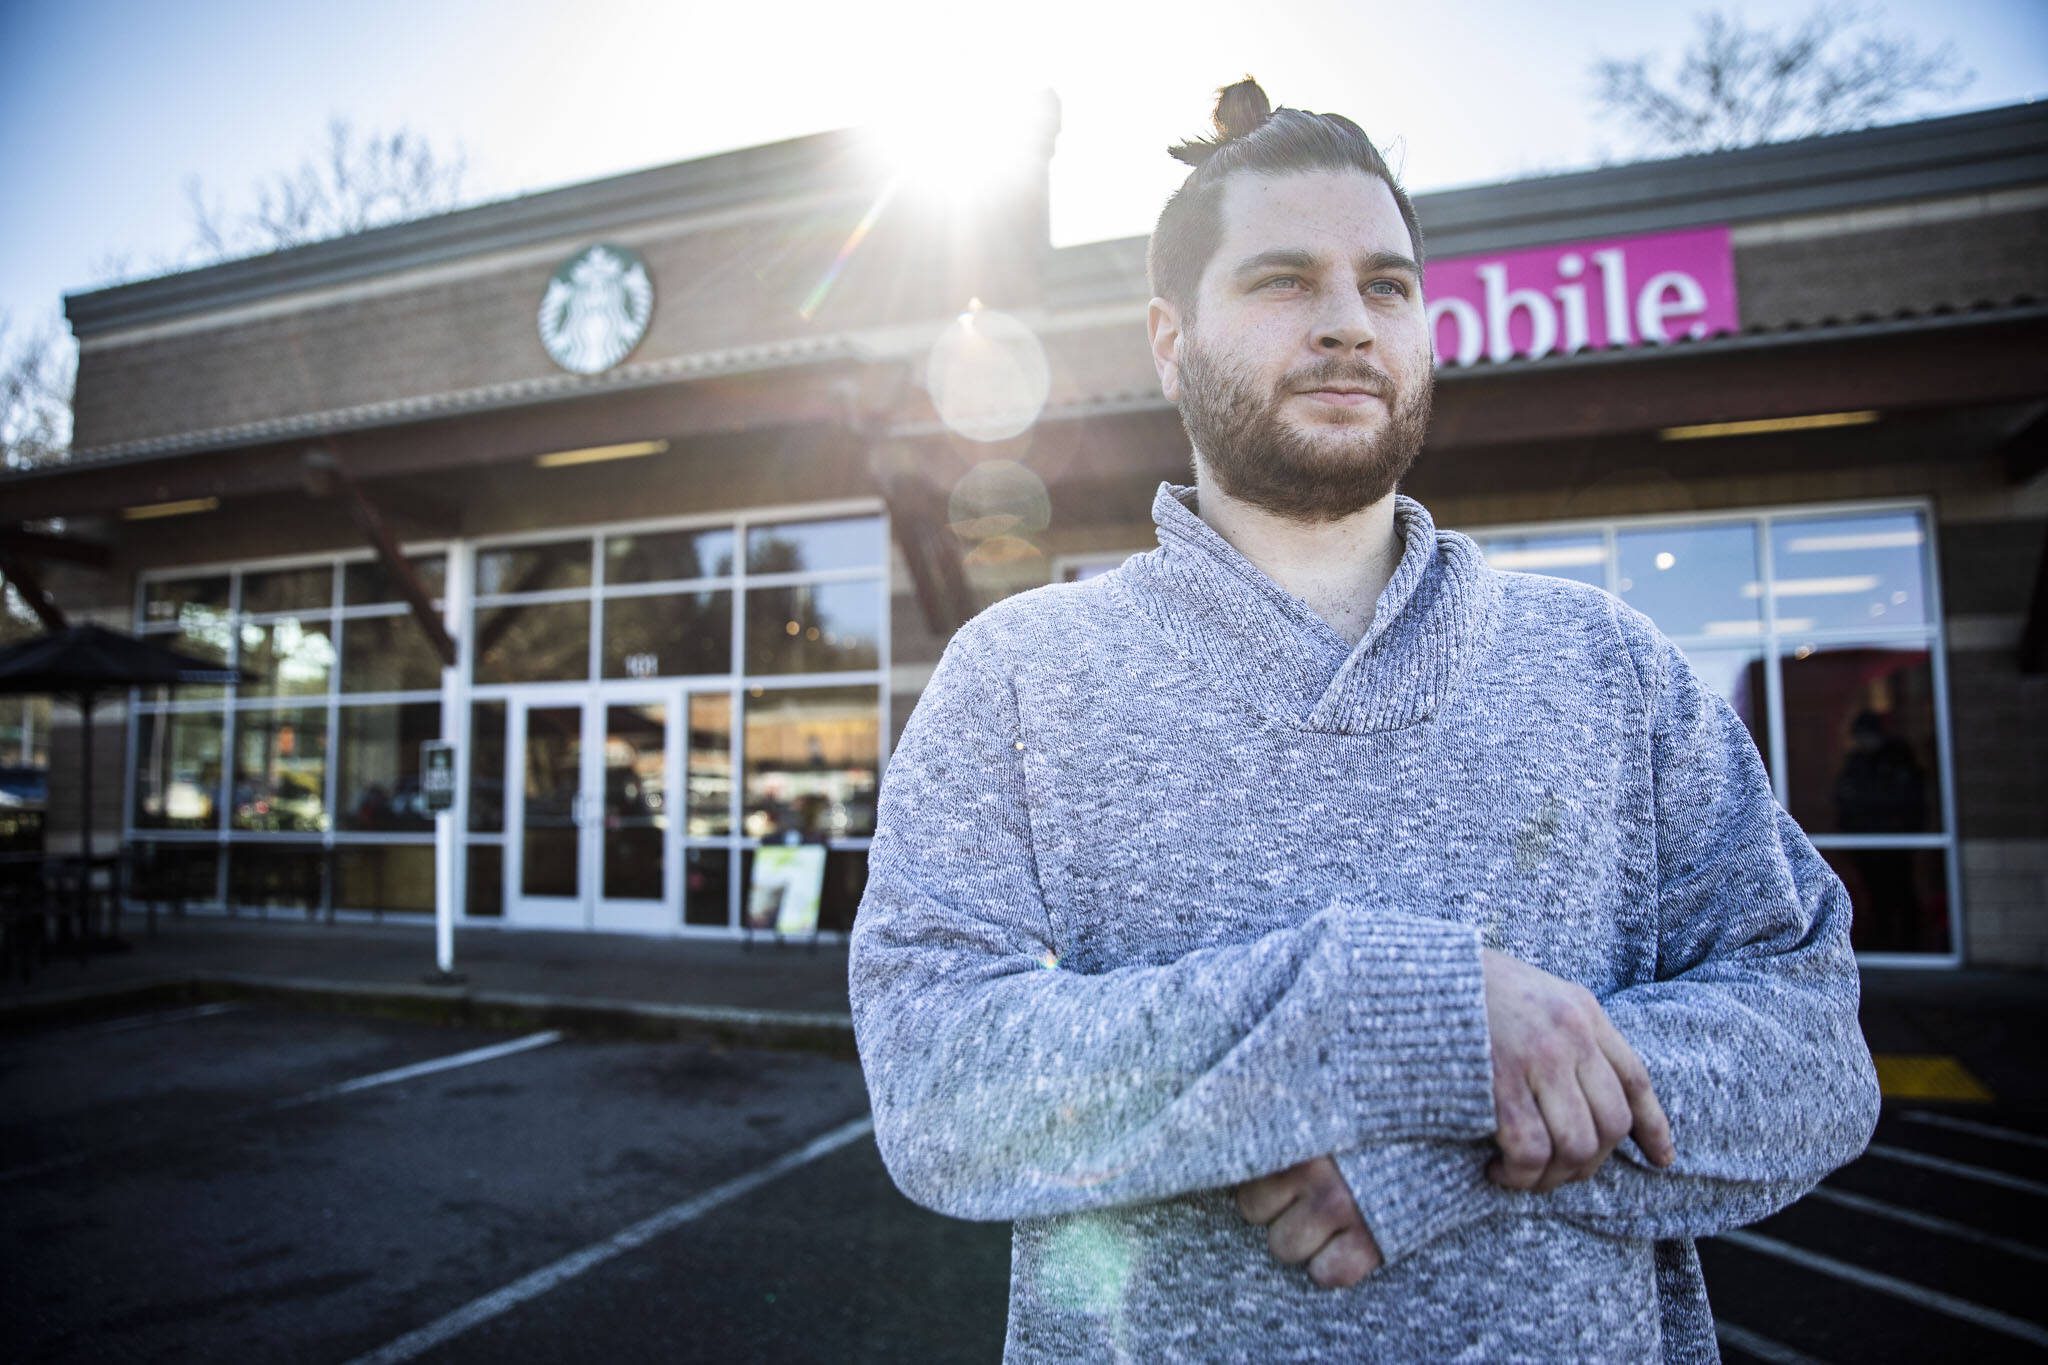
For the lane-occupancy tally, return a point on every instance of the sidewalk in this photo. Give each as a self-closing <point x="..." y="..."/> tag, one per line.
<point x="1989" y="1023"/>
<point x="789" y="995"/>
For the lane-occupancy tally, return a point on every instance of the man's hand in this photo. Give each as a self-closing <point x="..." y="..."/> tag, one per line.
<point x="1566" y="1084"/>
<point x="1309" y="1215"/>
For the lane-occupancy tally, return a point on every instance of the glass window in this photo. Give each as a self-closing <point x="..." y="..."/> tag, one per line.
<point x="263" y="873"/>
<point x="1698" y="580"/>
<point x="1737" y="677"/>
<point x="281" y="769"/>
<point x="203" y="633"/>
<point x="1582" y="558"/>
<point x="291" y="657"/>
<point x="661" y="556"/>
<point x="484" y="898"/>
<point x="178" y="770"/>
<point x="550" y="859"/>
<point x="799" y="546"/>
<point x="707" y="874"/>
<point x="650" y="637"/>
<point x="846" y="881"/>
<point x="710" y="765"/>
<point x="367" y="580"/>
<point x="533" y="568"/>
<point x="304" y="589"/>
<point x="635" y="800"/>
<point x="186" y="871"/>
<point x="811" y="756"/>
<point x="384" y="877"/>
<point x="539" y="642"/>
<point x="814" y="627"/>
<point x="387" y="654"/>
<point x="165" y="600"/>
<point x="1900" y="897"/>
<point x="487" y="767"/>
<point x="379" y="777"/>
<point x="1860" y="740"/>
<point x="1850" y="572"/>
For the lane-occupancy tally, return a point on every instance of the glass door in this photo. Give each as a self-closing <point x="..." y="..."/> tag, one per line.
<point x="590" y="788"/>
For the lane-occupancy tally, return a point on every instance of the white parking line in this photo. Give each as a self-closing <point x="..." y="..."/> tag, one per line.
<point x="501" y="1301"/>
<point x="1926" y="1222"/>
<point x="136" y="1021"/>
<point x="428" y="1068"/>
<point x="1989" y="1130"/>
<point x="1919" y="1295"/>
<point x="1763" y="1348"/>
<point x="1906" y="1156"/>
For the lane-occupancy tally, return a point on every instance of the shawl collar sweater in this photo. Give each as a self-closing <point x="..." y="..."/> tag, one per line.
<point x="1172" y="888"/>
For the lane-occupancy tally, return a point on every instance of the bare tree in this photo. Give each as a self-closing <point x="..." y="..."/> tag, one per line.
<point x="1738" y="85"/>
<point x="36" y="371"/>
<point x="353" y="183"/>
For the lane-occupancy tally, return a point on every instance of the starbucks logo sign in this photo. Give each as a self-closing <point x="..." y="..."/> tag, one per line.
<point x="596" y="308"/>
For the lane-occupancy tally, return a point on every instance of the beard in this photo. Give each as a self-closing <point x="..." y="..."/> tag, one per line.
<point x="1307" y="475"/>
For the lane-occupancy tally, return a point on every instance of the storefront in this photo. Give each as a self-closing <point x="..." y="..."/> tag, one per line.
<point x="660" y="496"/>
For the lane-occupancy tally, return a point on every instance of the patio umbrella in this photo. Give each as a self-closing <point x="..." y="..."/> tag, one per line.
<point x="81" y="664"/>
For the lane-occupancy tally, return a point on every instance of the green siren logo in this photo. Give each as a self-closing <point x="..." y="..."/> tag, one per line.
<point x="596" y="308"/>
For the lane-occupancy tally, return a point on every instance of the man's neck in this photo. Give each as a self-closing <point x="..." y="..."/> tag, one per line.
<point x="1339" y="568"/>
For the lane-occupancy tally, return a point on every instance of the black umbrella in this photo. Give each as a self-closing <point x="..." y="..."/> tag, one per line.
<point x="83" y="662"/>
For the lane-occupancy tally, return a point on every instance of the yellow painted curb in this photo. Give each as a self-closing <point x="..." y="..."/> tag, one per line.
<point x="1908" y="1076"/>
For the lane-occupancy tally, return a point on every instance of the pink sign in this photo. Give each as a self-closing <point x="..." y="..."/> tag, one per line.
<point x="1623" y="291"/>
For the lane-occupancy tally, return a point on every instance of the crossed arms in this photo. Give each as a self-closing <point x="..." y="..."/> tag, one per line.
<point x="1005" y="1088"/>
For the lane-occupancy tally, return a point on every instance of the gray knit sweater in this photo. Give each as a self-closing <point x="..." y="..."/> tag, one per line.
<point x="1174" y="887"/>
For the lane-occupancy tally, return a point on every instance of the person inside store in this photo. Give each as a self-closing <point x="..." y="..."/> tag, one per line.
<point x="1317" y="943"/>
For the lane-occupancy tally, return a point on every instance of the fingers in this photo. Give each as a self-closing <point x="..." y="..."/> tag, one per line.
<point x="1521" y="1133"/>
<point x="1345" y="1259"/>
<point x="1651" y="1128"/>
<point x="1574" y="1143"/>
<point x="1264" y="1199"/>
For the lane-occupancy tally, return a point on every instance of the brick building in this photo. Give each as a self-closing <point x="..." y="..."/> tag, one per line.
<point x="660" y="496"/>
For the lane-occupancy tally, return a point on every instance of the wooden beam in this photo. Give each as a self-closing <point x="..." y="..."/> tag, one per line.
<point x="17" y="572"/>
<point x="42" y="545"/>
<point x="322" y="471"/>
<point x="2034" y="637"/>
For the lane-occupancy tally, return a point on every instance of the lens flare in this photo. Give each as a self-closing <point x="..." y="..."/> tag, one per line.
<point x="988" y="376"/>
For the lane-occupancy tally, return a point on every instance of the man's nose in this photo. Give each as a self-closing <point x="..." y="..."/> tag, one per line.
<point x="1346" y="325"/>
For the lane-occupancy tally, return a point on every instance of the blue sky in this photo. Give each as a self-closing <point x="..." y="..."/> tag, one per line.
<point x="107" y="107"/>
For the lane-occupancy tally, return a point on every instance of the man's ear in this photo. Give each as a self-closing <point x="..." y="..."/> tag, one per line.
<point x="1162" y="323"/>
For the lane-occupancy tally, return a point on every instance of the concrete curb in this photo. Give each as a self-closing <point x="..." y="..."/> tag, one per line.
<point x="790" y="1030"/>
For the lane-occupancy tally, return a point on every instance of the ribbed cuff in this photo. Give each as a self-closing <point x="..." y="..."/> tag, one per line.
<point x="1412" y="1193"/>
<point x="1420" y="1063"/>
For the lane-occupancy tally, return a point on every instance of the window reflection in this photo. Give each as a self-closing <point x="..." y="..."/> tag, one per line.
<point x="484" y="897"/>
<point x="177" y="769"/>
<point x="202" y="632"/>
<point x="1692" y="580"/>
<point x="811" y="756"/>
<point x="681" y="633"/>
<point x="262" y="873"/>
<point x="533" y="568"/>
<point x="366" y="581"/>
<point x="387" y="654"/>
<point x="287" y="658"/>
<point x="710" y="764"/>
<point x="814" y="627"/>
<point x="165" y="601"/>
<point x="1581" y="558"/>
<point x="281" y="769"/>
<point x="379" y="778"/>
<point x="664" y="556"/>
<point x="1853" y="573"/>
<point x="536" y="642"/>
<point x="635" y="800"/>
<point x="487" y="767"/>
<point x="1860" y="740"/>
<point x="707" y="877"/>
<point x="384" y="877"/>
<point x="1900" y="897"/>
<point x="304" y="589"/>
<point x="794" y="546"/>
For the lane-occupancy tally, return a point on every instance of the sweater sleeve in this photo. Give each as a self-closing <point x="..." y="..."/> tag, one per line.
<point x="1749" y="1033"/>
<point x="1005" y="1085"/>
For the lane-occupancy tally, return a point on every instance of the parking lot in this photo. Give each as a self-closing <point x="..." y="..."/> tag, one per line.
<point x="253" y="1182"/>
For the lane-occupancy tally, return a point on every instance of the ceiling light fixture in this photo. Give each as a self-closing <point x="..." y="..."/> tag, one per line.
<point x="150" y="511"/>
<point x="598" y="454"/>
<point x="1812" y="422"/>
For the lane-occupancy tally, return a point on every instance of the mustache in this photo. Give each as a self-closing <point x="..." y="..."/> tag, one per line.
<point x="1348" y="373"/>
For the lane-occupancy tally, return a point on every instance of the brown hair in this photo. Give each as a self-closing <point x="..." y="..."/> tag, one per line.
<point x="1252" y="138"/>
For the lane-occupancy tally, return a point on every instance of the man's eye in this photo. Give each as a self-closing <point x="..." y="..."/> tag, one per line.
<point x="1290" y="281"/>
<point x="1389" y="288"/>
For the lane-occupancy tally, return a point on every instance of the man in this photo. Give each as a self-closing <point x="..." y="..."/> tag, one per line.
<point x="1320" y="944"/>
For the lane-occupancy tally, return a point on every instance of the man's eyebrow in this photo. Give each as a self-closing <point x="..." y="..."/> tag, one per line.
<point x="1289" y="258"/>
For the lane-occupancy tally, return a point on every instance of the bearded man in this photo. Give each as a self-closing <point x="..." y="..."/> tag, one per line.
<point x="1319" y="944"/>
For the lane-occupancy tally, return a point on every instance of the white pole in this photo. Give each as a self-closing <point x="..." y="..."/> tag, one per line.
<point x="454" y="725"/>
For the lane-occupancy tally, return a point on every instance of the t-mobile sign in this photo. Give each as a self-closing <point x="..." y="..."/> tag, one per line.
<point x="1624" y="291"/>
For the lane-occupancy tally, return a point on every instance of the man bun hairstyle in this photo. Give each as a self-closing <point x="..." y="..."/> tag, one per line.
<point x="1252" y="138"/>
